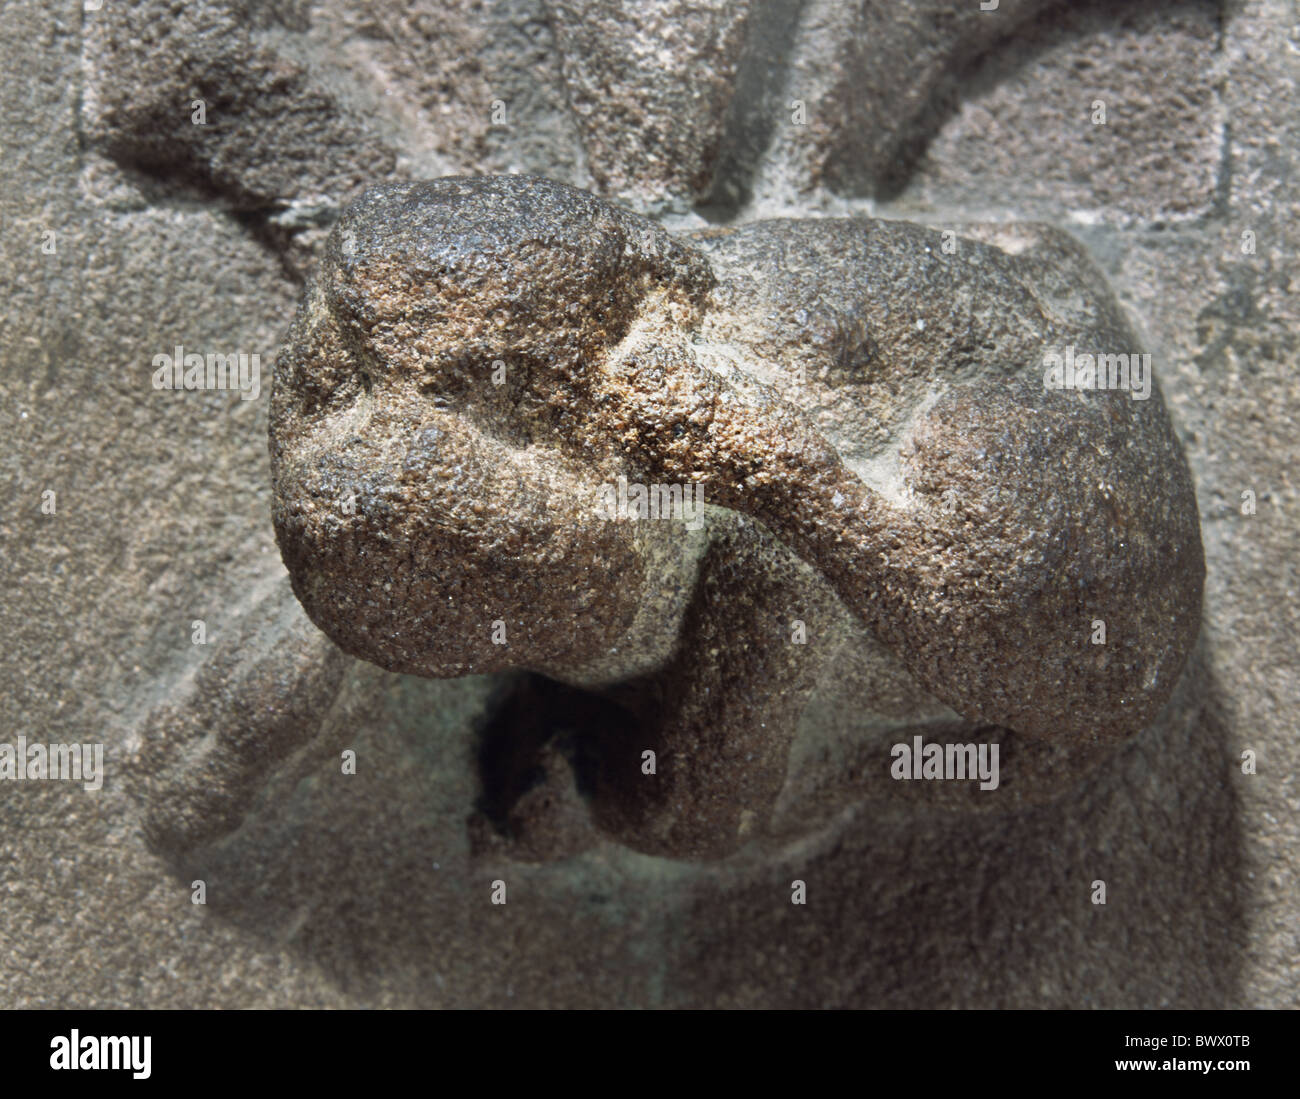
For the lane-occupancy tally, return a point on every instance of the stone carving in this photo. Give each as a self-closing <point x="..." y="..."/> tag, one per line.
<point x="863" y="405"/>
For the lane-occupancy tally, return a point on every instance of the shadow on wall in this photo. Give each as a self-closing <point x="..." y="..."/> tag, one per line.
<point x="372" y="878"/>
<point x="952" y="911"/>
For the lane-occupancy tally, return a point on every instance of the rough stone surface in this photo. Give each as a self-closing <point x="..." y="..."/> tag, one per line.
<point x="1142" y="149"/>
<point x="373" y="889"/>
<point x="437" y="522"/>
<point x="652" y="138"/>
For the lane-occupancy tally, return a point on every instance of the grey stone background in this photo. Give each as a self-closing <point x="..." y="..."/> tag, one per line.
<point x="366" y="890"/>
